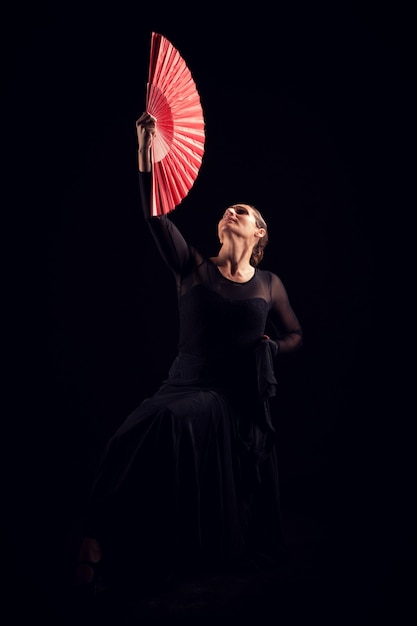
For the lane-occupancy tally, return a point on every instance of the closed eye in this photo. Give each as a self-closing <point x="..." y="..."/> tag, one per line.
<point x="240" y="210"/>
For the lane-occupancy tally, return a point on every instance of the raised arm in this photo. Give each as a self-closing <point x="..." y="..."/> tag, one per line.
<point x="171" y="244"/>
<point x="146" y="131"/>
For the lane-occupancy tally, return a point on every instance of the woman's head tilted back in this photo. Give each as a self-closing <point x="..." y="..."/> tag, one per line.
<point x="246" y="221"/>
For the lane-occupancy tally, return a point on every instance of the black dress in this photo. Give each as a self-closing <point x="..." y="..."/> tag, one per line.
<point x="189" y="482"/>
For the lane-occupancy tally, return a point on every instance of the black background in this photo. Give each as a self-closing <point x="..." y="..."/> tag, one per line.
<point x="309" y="114"/>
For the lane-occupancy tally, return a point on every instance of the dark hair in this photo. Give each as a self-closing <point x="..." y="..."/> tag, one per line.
<point x="258" y="249"/>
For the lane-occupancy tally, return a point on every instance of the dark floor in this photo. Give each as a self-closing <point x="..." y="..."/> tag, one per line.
<point x="320" y="583"/>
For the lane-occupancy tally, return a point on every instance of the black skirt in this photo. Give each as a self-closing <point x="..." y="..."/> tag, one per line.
<point x="183" y="488"/>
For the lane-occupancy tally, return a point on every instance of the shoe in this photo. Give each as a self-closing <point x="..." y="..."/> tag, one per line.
<point x="89" y="578"/>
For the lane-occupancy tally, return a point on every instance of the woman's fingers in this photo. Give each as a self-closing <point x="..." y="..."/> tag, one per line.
<point x="146" y="119"/>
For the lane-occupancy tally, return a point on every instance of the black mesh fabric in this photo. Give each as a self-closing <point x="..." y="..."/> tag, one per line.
<point x="190" y="479"/>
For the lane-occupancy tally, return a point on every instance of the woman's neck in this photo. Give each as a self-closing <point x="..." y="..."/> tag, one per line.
<point x="234" y="264"/>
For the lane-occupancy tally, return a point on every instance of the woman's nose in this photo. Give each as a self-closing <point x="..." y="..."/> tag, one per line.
<point x="230" y="211"/>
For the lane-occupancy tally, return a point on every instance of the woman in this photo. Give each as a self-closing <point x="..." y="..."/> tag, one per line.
<point x="188" y="483"/>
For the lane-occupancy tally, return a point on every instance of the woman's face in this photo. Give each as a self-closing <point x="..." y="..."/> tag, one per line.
<point x="239" y="219"/>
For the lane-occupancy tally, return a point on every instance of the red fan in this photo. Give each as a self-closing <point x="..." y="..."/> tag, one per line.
<point x="178" y="147"/>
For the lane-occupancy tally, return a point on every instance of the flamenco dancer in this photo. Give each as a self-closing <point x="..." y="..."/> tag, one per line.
<point x="188" y="484"/>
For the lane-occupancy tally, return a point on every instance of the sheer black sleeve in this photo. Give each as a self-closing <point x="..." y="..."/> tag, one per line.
<point x="173" y="248"/>
<point x="288" y="332"/>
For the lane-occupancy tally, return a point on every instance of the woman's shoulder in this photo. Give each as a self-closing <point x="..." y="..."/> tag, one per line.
<point x="271" y="279"/>
<point x="267" y="274"/>
<point x="196" y="259"/>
